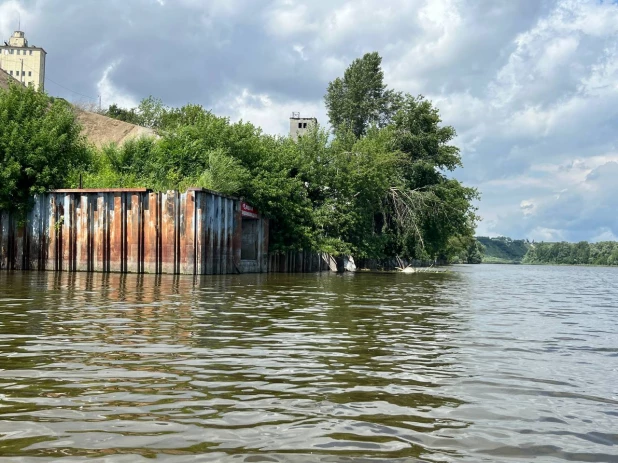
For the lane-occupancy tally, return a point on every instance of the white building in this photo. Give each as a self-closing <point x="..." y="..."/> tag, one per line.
<point x="300" y="125"/>
<point x="24" y="62"/>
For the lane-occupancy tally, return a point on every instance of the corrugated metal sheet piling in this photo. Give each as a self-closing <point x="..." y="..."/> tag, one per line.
<point x="128" y="230"/>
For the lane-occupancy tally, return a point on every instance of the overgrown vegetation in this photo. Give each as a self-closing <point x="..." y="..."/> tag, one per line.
<point x="376" y="186"/>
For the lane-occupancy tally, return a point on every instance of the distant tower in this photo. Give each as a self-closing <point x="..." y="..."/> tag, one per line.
<point x="25" y="63"/>
<point x="300" y="125"/>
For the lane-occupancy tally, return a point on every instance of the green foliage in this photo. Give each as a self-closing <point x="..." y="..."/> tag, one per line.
<point x="40" y="145"/>
<point x="465" y="249"/>
<point x="475" y="253"/>
<point x="503" y="250"/>
<point x="360" y="99"/>
<point x="150" y="113"/>
<point x="418" y="206"/>
<point x="582" y="253"/>
<point x="378" y="188"/>
<point x="126" y="115"/>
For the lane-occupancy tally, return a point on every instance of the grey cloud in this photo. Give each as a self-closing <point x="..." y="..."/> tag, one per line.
<point x="526" y="83"/>
<point x="580" y="211"/>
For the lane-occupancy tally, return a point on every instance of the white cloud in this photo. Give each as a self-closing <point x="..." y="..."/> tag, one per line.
<point x="527" y="207"/>
<point x="556" y="54"/>
<point x="14" y="14"/>
<point x="301" y="51"/>
<point x="546" y="234"/>
<point x="531" y="87"/>
<point x="263" y="111"/>
<point x="109" y="91"/>
<point x="605" y="234"/>
<point x="290" y="20"/>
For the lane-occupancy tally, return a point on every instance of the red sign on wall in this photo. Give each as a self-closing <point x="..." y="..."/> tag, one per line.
<point x="249" y="211"/>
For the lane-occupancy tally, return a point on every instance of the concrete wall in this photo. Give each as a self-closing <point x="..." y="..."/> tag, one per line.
<point x="300" y="125"/>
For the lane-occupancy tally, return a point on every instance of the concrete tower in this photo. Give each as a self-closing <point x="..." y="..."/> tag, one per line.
<point x="24" y="62"/>
<point x="300" y="125"/>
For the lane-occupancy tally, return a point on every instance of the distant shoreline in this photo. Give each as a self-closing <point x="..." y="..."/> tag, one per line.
<point x="548" y="264"/>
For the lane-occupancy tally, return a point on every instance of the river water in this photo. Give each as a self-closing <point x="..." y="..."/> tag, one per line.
<point x="481" y="363"/>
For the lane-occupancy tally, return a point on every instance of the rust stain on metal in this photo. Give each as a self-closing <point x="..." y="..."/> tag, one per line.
<point x="101" y="190"/>
<point x="135" y="230"/>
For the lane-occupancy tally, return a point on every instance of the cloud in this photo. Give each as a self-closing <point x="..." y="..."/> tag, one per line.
<point x="10" y="12"/>
<point x="530" y="86"/>
<point x="110" y="93"/>
<point x="262" y="110"/>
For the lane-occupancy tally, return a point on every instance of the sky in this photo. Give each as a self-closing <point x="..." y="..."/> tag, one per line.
<point x="531" y="86"/>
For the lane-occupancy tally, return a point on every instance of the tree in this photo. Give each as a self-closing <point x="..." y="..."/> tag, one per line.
<point x="150" y="113"/>
<point x="127" y="115"/>
<point x="580" y="253"/>
<point x="426" y="206"/>
<point x="40" y="146"/>
<point x="377" y="188"/>
<point x="360" y="99"/>
<point x="465" y="249"/>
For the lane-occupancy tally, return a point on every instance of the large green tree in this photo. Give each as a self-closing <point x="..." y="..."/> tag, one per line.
<point x="360" y="98"/>
<point x="416" y="207"/>
<point x="40" y="145"/>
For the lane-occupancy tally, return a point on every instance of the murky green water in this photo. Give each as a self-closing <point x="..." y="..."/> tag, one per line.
<point x="485" y="363"/>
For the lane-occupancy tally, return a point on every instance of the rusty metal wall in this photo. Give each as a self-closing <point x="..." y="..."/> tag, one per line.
<point x="299" y="262"/>
<point x="134" y="230"/>
<point x="125" y="230"/>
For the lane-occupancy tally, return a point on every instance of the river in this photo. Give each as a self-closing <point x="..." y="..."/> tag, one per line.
<point x="481" y="363"/>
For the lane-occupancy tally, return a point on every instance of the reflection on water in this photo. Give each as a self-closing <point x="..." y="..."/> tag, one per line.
<point x="485" y="363"/>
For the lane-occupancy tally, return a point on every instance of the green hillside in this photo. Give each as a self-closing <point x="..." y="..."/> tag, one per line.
<point x="503" y="250"/>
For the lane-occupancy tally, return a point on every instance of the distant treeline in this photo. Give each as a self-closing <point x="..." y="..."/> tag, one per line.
<point x="582" y="253"/>
<point x="506" y="250"/>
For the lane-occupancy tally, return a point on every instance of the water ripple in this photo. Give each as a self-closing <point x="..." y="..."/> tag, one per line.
<point x="483" y="363"/>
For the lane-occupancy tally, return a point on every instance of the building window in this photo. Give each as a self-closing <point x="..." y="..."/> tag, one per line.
<point x="29" y="73"/>
<point x="23" y="73"/>
<point x="30" y="52"/>
<point x="300" y="125"/>
<point x="11" y="51"/>
<point x="11" y="72"/>
<point x="304" y="125"/>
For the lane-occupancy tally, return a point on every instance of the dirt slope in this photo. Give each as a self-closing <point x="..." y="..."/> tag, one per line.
<point x="5" y="78"/>
<point x="99" y="130"/>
